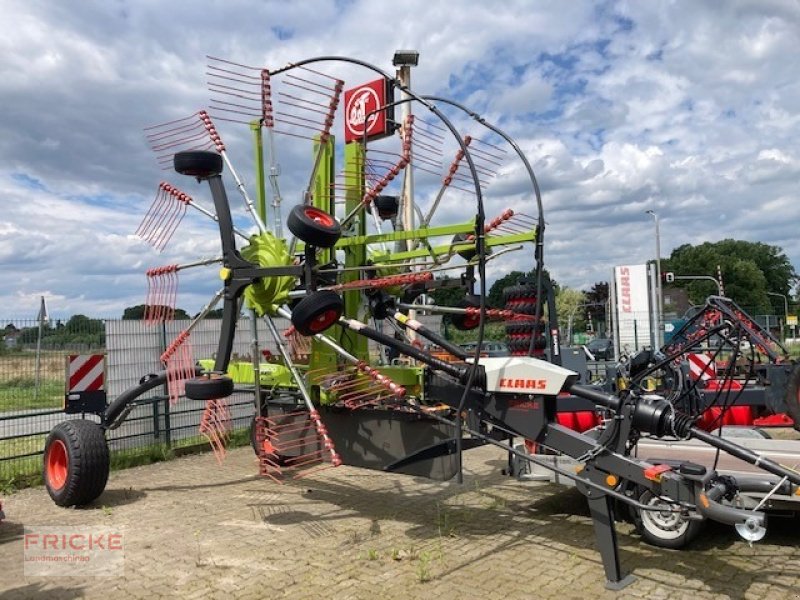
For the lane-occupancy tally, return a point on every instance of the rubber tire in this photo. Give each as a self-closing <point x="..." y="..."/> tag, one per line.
<point x="466" y="322"/>
<point x="523" y="344"/>
<point x="793" y="396"/>
<point x="518" y="327"/>
<point x="209" y="388"/>
<point x="198" y="163"/>
<point x="387" y="206"/>
<point x="652" y="534"/>
<point x="313" y="314"/>
<point x="87" y="462"/>
<point x="515" y="292"/>
<point x="313" y="226"/>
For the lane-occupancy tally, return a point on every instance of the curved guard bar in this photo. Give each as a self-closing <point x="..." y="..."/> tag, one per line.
<point x="115" y="413"/>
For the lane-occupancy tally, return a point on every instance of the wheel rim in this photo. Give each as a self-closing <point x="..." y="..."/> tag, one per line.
<point x="324" y="320"/>
<point x="318" y="216"/>
<point x="57" y="464"/>
<point x="664" y="524"/>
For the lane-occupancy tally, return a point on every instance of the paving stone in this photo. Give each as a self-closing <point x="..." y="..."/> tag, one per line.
<point x="195" y="530"/>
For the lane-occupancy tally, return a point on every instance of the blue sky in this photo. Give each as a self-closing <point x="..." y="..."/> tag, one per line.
<point x="690" y="109"/>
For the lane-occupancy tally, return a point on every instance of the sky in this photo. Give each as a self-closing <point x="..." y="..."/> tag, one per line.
<point x="688" y="109"/>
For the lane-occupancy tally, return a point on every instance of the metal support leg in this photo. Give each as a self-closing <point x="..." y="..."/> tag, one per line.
<point x="601" y="508"/>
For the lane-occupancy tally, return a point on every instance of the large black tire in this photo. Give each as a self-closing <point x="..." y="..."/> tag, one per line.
<point x="793" y="396"/>
<point x="522" y="343"/>
<point x="209" y="387"/>
<point x="523" y="327"/>
<point x="76" y="463"/>
<point x="518" y="292"/>
<point x="664" y="529"/>
<point x="317" y="312"/>
<point x="198" y="163"/>
<point x="313" y="226"/>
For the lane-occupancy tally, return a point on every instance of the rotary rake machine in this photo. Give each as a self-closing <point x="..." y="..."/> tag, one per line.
<point x="354" y="264"/>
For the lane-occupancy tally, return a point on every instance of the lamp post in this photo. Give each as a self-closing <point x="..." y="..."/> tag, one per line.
<point x="659" y="294"/>
<point x="785" y="313"/>
<point x="404" y="60"/>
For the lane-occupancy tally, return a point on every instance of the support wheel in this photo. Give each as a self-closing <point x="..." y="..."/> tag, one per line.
<point x="76" y="463"/>
<point x="209" y="387"/>
<point x="198" y="163"/>
<point x="313" y="226"/>
<point x="466" y="322"/>
<point x="315" y="313"/>
<point x="664" y="528"/>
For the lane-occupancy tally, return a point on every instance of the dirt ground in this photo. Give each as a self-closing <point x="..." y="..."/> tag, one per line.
<point x="195" y="530"/>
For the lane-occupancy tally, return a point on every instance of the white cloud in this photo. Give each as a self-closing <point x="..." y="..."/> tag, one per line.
<point x="690" y="109"/>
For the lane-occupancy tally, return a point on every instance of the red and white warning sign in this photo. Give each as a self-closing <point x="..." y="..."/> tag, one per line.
<point x="701" y="367"/>
<point x="85" y="372"/>
<point x="364" y="112"/>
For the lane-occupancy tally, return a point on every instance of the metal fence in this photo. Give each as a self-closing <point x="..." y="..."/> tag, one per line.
<point x="33" y="369"/>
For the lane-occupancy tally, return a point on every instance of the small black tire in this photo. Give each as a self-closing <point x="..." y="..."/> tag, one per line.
<point x="198" y="163"/>
<point x="76" y="462"/>
<point x="209" y="387"/>
<point x="664" y="529"/>
<point x="467" y="254"/>
<point x="313" y="226"/>
<point x="317" y="312"/>
<point x="793" y="396"/>
<point x="387" y="206"/>
<point x="466" y="322"/>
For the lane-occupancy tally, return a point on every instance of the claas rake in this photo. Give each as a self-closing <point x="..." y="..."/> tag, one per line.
<point x="365" y="244"/>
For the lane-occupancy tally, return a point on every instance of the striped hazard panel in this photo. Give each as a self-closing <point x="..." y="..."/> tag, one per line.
<point x="86" y="372"/>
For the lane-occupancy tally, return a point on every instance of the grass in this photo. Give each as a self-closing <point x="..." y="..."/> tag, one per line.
<point x="19" y="393"/>
<point x="18" y="381"/>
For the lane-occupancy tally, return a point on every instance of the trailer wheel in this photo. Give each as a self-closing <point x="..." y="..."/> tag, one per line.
<point x="76" y="462"/>
<point x="793" y="396"/>
<point x="664" y="528"/>
<point x="313" y="226"/>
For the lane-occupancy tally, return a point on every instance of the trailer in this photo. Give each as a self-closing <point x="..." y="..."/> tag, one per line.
<point x="757" y="490"/>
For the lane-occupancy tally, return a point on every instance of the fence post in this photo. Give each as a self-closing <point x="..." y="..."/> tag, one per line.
<point x="156" y="424"/>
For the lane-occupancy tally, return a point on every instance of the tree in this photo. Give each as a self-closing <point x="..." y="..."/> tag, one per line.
<point x="136" y="313"/>
<point x="596" y="300"/>
<point x="749" y="271"/>
<point x="571" y="310"/>
<point x="447" y="296"/>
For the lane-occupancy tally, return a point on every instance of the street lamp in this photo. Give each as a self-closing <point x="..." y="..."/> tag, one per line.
<point x="659" y="293"/>
<point x="785" y="312"/>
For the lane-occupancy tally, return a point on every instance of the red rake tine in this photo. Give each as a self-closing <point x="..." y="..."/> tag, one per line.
<point x="143" y="231"/>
